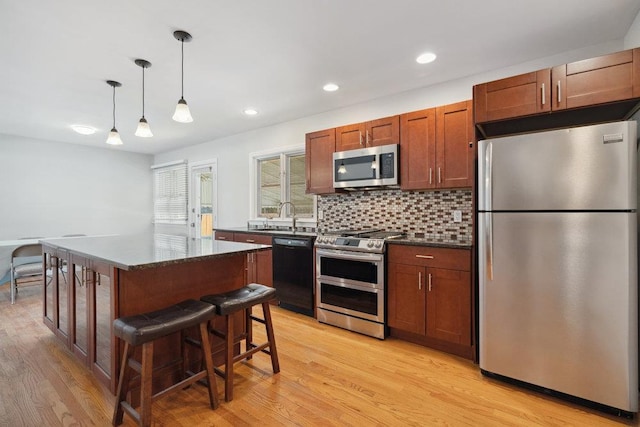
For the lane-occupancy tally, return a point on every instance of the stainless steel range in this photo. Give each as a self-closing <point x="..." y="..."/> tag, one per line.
<point x="350" y="280"/>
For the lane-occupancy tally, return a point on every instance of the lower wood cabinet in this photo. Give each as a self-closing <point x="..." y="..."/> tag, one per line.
<point x="429" y="297"/>
<point x="259" y="264"/>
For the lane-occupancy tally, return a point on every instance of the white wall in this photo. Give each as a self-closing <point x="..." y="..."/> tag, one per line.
<point x="232" y="152"/>
<point x="632" y="39"/>
<point x="51" y="189"/>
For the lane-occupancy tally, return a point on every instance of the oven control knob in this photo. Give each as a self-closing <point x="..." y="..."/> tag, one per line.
<point x="378" y="243"/>
<point x="370" y="244"/>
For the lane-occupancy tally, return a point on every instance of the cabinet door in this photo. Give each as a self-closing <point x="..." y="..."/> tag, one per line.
<point x="515" y="96"/>
<point x="382" y="131"/>
<point x="406" y="297"/>
<point x="319" y="149"/>
<point x="454" y="145"/>
<point x="264" y="267"/>
<point x="350" y="137"/>
<point x="598" y="80"/>
<point x="449" y="305"/>
<point x="417" y="149"/>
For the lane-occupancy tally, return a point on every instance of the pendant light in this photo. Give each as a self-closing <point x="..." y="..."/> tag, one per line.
<point x="143" y="129"/>
<point x="114" y="136"/>
<point x="182" y="114"/>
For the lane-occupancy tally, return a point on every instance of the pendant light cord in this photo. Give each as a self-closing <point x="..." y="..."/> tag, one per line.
<point x="114" y="107"/>
<point x="143" y="67"/>
<point x="182" y="70"/>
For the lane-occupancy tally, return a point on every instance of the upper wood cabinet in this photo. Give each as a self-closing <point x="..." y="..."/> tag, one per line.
<point x="515" y="96"/>
<point x="368" y="134"/>
<point x="598" y="80"/>
<point x="319" y="149"/>
<point x="591" y="82"/>
<point x="436" y="147"/>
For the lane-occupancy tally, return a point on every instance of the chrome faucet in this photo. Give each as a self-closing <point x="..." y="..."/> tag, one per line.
<point x="294" y="212"/>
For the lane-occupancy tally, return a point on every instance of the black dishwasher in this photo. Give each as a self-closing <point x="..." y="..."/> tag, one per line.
<point x="293" y="273"/>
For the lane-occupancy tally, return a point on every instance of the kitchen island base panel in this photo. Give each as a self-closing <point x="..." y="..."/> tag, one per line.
<point x="122" y="292"/>
<point x="465" y="351"/>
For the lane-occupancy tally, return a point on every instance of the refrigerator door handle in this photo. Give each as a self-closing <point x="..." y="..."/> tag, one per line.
<point x="488" y="177"/>
<point x="489" y="244"/>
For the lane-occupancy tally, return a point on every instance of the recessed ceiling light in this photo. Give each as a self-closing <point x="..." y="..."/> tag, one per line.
<point x="83" y="130"/>
<point x="425" y="58"/>
<point x="251" y="111"/>
<point x="331" y="87"/>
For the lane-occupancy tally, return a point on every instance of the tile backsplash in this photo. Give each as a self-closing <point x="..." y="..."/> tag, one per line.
<point x="423" y="214"/>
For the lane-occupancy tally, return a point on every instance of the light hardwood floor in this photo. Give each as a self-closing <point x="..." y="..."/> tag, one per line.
<point x="329" y="377"/>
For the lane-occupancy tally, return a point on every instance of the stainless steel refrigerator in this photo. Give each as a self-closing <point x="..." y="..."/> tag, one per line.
<point x="557" y="245"/>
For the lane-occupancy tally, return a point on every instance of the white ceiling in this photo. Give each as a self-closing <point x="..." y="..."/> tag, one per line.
<point x="273" y="55"/>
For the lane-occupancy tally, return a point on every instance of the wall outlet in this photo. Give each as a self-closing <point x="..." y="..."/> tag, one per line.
<point x="457" y="216"/>
<point x="320" y="214"/>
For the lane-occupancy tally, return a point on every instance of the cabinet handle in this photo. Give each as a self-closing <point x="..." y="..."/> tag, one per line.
<point x="222" y="238"/>
<point x="429" y="282"/>
<point x="430" y="174"/>
<point x="250" y="241"/>
<point x="439" y="177"/>
<point x="367" y="136"/>
<point x="425" y="256"/>
<point x="559" y="92"/>
<point x="360" y="133"/>
<point x="542" y="93"/>
<point x="419" y="280"/>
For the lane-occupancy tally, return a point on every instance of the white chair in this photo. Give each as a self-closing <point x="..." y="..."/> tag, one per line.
<point x="26" y="262"/>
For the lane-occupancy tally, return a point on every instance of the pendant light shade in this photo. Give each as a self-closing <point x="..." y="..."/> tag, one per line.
<point x="114" y="136"/>
<point x="143" y="129"/>
<point x="182" y="114"/>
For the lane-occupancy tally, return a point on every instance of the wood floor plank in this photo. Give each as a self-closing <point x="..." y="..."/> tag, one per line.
<point x="329" y="377"/>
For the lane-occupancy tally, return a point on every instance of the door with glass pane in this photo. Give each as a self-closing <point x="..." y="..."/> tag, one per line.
<point x="202" y="212"/>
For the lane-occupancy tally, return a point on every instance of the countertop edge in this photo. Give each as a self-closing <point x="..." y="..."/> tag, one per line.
<point x="430" y="243"/>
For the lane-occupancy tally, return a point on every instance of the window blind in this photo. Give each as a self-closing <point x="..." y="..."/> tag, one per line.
<point x="170" y="194"/>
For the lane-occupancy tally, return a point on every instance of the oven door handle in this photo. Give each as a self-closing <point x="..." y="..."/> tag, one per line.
<point x="354" y="256"/>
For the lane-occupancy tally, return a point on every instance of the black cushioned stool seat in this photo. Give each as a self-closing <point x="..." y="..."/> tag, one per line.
<point x="231" y="302"/>
<point x="143" y="329"/>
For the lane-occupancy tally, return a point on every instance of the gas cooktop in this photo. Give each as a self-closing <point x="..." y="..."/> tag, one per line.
<point x="357" y="240"/>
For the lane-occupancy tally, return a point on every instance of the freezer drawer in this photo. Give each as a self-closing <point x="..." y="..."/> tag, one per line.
<point x="584" y="168"/>
<point x="558" y="302"/>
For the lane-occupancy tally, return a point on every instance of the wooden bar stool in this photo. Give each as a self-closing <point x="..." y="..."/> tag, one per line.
<point x="144" y="329"/>
<point x="229" y="303"/>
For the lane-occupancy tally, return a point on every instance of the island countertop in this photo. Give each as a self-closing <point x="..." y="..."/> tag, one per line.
<point x="133" y="252"/>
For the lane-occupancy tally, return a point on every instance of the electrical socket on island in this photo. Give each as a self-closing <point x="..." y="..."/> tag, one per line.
<point x="457" y="216"/>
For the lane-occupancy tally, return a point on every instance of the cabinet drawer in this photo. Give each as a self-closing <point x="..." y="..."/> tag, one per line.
<point x="224" y="235"/>
<point x="454" y="259"/>
<point x="262" y="239"/>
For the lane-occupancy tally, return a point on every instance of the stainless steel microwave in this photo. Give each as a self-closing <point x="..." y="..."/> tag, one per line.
<point x="366" y="167"/>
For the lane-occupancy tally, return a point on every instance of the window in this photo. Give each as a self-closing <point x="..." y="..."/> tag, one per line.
<point x="281" y="178"/>
<point x="170" y="193"/>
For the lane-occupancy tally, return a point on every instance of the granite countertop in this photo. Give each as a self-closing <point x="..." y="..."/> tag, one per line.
<point x="268" y="231"/>
<point x="133" y="252"/>
<point x="424" y="241"/>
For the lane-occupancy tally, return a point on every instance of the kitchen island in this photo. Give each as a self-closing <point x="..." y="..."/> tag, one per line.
<point x="91" y="281"/>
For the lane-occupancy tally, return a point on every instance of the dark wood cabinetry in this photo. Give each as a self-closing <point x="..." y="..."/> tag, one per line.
<point x="259" y="264"/>
<point x="429" y="297"/>
<point x="515" y="96"/>
<point x="368" y="134"/>
<point x="598" y="80"/>
<point x="593" y="90"/>
<point x="436" y="147"/>
<point x="319" y="149"/>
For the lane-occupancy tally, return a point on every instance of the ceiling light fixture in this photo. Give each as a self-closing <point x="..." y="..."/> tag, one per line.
<point x="251" y="111"/>
<point x="114" y="136"/>
<point x="182" y="114"/>
<point x="143" y="129"/>
<point x="330" y="87"/>
<point x="83" y="130"/>
<point x="426" y="57"/>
